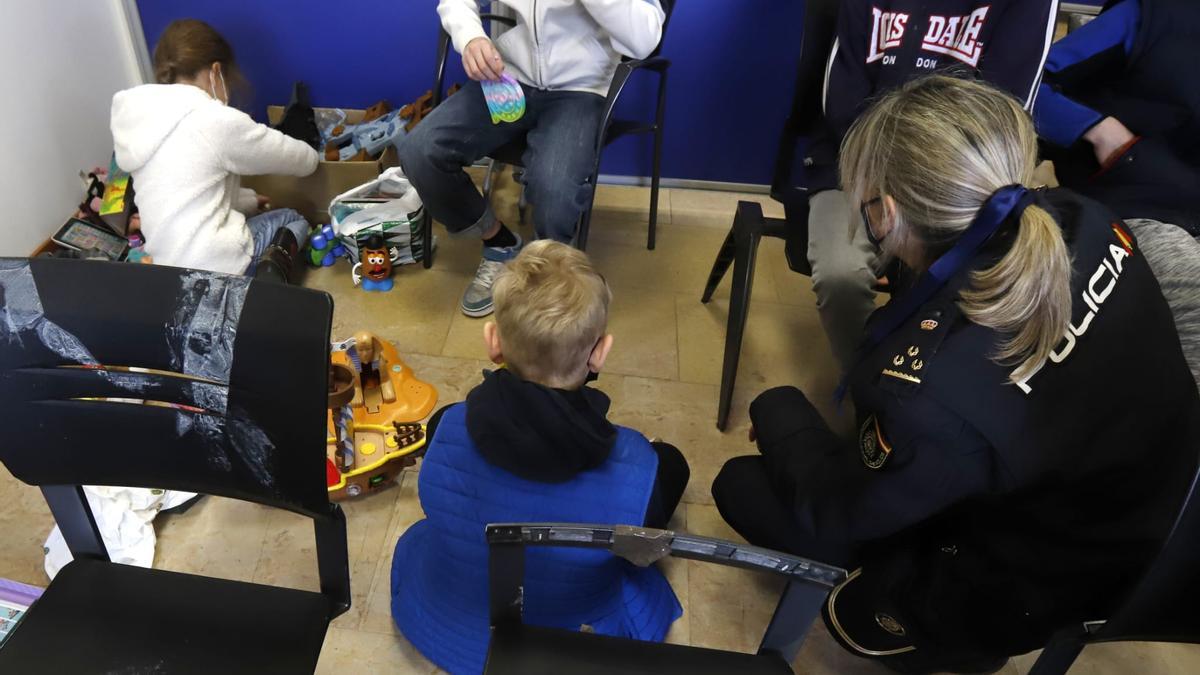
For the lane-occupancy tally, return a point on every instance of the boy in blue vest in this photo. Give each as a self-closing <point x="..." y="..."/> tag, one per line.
<point x="532" y="443"/>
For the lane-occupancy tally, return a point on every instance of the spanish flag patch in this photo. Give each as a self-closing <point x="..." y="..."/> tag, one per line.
<point x="875" y="449"/>
<point x="1123" y="235"/>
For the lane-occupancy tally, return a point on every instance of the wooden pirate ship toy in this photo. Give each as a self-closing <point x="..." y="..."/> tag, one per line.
<point x="375" y="408"/>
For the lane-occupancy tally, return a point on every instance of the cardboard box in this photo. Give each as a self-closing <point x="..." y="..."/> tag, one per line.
<point x="311" y="194"/>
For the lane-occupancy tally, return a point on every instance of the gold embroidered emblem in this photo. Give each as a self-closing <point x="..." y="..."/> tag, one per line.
<point x="889" y="624"/>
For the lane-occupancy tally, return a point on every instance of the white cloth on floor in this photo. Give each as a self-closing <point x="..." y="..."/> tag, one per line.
<point x="125" y="517"/>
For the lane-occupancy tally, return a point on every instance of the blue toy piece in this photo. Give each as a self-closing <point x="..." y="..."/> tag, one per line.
<point x="324" y="247"/>
<point x="382" y="286"/>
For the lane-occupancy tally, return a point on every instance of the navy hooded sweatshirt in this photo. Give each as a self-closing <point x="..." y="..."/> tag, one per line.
<point x="884" y="43"/>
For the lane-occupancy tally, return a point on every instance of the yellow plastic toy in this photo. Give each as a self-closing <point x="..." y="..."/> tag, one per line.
<point x="375" y="408"/>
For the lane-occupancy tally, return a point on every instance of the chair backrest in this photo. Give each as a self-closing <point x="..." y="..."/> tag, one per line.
<point x="159" y="377"/>
<point x="809" y="582"/>
<point x="1160" y="608"/>
<point x="816" y="43"/>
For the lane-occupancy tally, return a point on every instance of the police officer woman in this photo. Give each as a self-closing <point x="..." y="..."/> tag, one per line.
<point x="1027" y="424"/>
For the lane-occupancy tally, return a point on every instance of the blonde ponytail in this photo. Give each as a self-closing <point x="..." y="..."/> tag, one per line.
<point x="1026" y="296"/>
<point x="940" y="147"/>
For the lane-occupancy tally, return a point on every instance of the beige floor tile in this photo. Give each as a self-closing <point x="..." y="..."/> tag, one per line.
<point x="217" y="537"/>
<point x="377" y="616"/>
<point x="25" y="522"/>
<point x="710" y="207"/>
<point x="630" y="204"/>
<point x="452" y="377"/>
<point x="644" y="339"/>
<point x="682" y="414"/>
<point x="680" y="264"/>
<point x="352" y="651"/>
<point x="415" y="315"/>
<point x="782" y="344"/>
<point x="465" y="339"/>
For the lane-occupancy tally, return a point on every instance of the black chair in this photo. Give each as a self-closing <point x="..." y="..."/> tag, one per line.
<point x="1161" y="608"/>
<point x="152" y="376"/>
<point x="740" y="248"/>
<point x="610" y="129"/>
<point x="531" y="650"/>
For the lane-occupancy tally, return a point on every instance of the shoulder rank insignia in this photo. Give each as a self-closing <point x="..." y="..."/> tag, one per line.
<point x="875" y="449"/>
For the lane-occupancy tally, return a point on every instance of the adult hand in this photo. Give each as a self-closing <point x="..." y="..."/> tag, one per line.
<point x="482" y="61"/>
<point x="263" y="202"/>
<point x="1108" y="138"/>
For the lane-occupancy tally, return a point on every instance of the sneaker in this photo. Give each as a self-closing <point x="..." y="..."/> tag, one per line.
<point x="477" y="300"/>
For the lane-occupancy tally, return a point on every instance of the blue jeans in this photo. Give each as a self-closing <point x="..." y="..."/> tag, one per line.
<point x="559" y="128"/>
<point x="264" y="226"/>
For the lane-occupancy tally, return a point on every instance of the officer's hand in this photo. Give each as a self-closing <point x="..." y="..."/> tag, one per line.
<point x="482" y="61"/>
<point x="1109" y="138"/>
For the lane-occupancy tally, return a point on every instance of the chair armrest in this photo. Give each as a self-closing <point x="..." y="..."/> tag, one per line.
<point x="439" y="78"/>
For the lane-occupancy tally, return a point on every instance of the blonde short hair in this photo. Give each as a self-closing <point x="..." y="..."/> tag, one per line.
<point x="551" y="309"/>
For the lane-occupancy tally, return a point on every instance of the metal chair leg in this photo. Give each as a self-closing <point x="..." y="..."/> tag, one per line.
<point x="1056" y="658"/>
<point x="585" y="218"/>
<point x="427" y="240"/>
<point x="490" y="177"/>
<point x="522" y="202"/>
<point x="721" y="264"/>
<point x="656" y="171"/>
<point x="799" y="606"/>
<point x="747" y="231"/>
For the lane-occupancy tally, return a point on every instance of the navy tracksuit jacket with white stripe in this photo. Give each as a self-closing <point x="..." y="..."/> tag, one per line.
<point x="1133" y="63"/>
<point x="884" y="43"/>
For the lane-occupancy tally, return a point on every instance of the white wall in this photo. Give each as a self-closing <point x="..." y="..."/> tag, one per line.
<point x="62" y="61"/>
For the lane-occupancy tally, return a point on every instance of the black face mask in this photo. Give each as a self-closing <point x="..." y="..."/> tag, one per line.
<point x="864" y="209"/>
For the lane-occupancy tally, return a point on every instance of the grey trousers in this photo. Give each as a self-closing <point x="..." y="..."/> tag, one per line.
<point x="1174" y="257"/>
<point x="843" y="272"/>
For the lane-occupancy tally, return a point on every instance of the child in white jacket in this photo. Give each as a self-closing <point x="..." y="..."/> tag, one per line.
<point x="563" y="54"/>
<point x="186" y="148"/>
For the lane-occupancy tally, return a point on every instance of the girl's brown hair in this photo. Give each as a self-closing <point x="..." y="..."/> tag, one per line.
<point x="189" y="46"/>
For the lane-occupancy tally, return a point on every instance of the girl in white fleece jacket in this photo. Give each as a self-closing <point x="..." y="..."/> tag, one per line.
<point x="186" y="148"/>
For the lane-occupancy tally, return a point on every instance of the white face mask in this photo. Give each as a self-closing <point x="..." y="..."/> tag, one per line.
<point x="212" y="88"/>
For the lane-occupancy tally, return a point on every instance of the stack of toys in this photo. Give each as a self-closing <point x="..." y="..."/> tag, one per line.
<point x="375" y="407"/>
<point x="324" y="248"/>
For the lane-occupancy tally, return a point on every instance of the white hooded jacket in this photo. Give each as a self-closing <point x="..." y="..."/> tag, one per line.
<point x="571" y="45"/>
<point x="186" y="151"/>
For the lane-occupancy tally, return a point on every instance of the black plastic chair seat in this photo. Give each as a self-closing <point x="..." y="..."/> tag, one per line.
<point x="533" y="650"/>
<point x="100" y="617"/>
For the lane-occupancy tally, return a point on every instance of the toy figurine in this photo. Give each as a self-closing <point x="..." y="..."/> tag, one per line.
<point x="324" y="248"/>
<point x="376" y="265"/>
<point x="375" y="404"/>
<point x="373" y="369"/>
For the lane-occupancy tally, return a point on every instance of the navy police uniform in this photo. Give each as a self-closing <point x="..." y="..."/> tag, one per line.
<point x="1133" y="62"/>
<point x="978" y="515"/>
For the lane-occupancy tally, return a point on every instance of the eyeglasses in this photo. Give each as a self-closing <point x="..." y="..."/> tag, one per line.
<point x="865" y="209"/>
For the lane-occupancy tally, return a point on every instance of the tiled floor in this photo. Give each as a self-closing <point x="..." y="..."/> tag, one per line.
<point x="662" y="377"/>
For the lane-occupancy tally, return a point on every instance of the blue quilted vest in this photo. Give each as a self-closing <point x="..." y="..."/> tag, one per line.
<point x="440" y="571"/>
